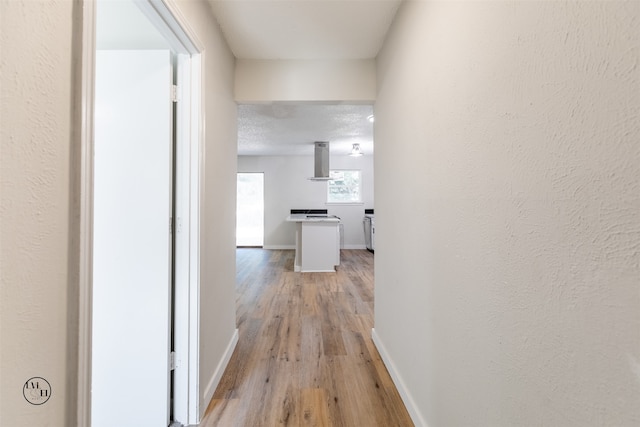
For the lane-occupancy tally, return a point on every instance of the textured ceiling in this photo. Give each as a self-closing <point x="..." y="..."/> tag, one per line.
<point x="291" y="129"/>
<point x="304" y="29"/>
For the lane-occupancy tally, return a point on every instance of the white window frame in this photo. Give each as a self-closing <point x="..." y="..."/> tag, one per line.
<point x="360" y="200"/>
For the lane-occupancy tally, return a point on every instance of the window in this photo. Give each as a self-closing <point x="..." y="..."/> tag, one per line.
<point x="345" y="186"/>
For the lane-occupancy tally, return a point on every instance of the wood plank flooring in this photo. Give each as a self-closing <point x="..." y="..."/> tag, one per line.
<point x="305" y="355"/>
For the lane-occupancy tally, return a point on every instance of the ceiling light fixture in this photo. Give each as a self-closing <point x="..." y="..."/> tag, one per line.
<point x="355" y="151"/>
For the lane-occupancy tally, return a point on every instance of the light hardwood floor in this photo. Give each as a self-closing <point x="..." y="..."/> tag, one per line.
<point x="305" y="355"/>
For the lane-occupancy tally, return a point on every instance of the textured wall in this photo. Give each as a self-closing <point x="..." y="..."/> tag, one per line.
<point x="35" y="124"/>
<point x="508" y="211"/>
<point x="287" y="187"/>
<point x="36" y="127"/>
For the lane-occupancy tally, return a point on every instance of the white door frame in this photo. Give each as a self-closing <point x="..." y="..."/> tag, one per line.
<point x="167" y="18"/>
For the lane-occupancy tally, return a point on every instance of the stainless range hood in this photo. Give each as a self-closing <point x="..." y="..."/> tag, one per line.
<point x="321" y="162"/>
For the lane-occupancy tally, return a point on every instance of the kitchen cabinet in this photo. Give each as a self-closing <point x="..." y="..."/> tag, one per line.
<point x="317" y="243"/>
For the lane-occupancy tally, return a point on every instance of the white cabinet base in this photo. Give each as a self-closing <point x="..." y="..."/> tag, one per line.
<point x="317" y="246"/>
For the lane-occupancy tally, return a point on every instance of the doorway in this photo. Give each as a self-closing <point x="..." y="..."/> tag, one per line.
<point x="250" y="210"/>
<point x="142" y="179"/>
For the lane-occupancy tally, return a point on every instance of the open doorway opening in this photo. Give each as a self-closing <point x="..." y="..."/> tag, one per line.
<point x="250" y="210"/>
<point x="140" y="214"/>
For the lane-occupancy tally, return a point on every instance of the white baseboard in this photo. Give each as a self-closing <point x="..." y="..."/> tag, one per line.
<point x="414" y="413"/>
<point x="354" y="247"/>
<point x="279" y="247"/>
<point x="217" y="374"/>
<point x="292" y="247"/>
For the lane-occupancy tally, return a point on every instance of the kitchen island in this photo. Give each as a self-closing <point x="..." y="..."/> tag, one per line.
<point x="317" y="242"/>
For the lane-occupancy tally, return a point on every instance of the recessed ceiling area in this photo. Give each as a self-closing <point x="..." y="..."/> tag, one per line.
<point x="283" y="129"/>
<point x="304" y="30"/>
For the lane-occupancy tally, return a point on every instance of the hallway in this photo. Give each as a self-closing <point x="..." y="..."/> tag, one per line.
<point x="305" y="356"/>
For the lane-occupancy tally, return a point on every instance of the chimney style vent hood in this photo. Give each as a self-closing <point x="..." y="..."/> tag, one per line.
<point x="321" y="162"/>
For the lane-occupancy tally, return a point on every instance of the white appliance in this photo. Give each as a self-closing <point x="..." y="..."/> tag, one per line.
<point x="369" y="231"/>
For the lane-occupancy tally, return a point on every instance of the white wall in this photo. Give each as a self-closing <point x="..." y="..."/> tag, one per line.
<point x="39" y="199"/>
<point x="507" y="203"/>
<point x="36" y="142"/>
<point x="300" y="80"/>
<point x="217" y="222"/>
<point x="287" y="187"/>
